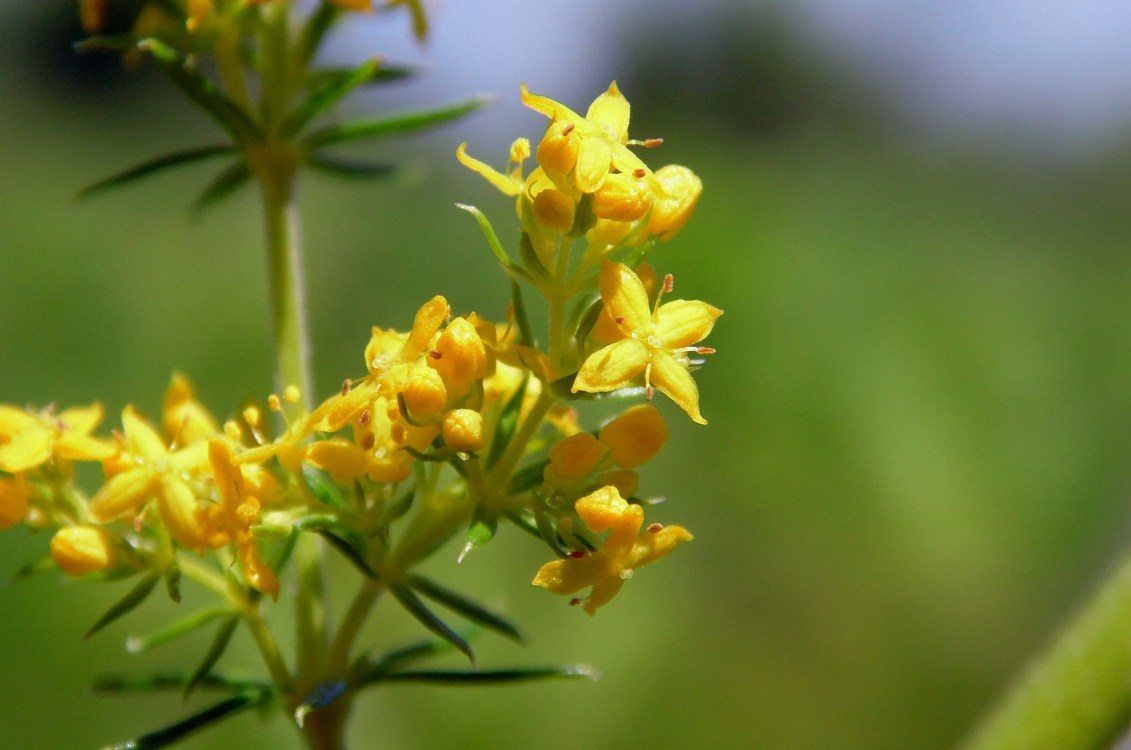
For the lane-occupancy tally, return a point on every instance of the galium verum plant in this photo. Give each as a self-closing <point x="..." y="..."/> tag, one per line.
<point x="457" y="425"/>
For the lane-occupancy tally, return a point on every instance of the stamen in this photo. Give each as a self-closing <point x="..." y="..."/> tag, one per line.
<point x="654" y="528"/>
<point x="363" y="418"/>
<point x="576" y="554"/>
<point x="346" y="385"/>
<point x="273" y="402"/>
<point x="652" y="142"/>
<point x="704" y="350"/>
<point x="639" y="173"/>
<point x="618" y="319"/>
<point x="568" y="129"/>
<point x="367" y="441"/>
<point x="669" y="283"/>
<point x="435" y="354"/>
<point x="575" y="601"/>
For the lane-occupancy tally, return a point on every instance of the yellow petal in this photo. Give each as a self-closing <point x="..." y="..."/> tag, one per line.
<point x="13" y="500"/>
<point x="75" y="446"/>
<point x="502" y="182"/>
<point x="429" y="318"/>
<point x="681" y="323"/>
<point x="181" y="514"/>
<point x="571" y="575"/>
<point x="344" y="460"/>
<point x="123" y="494"/>
<point x="26" y="450"/>
<point x="594" y="161"/>
<point x="673" y="380"/>
<point x="610" y="110"/>
<point x="82" y="419"/>
<point x="635" y="436"/>
<point x="184" y="419"/>
<point x="651" y="546"/>
<point x="339" y="410"/>
<point x="258" y="574"/>
<point x="79" y="550"/>
<point x="552" y="109"/>
<point x="612" y="367"/>
<point x="603" y="591"/>
<point x="574" y="458"/>
<point x="142" y="439"/>
<point x="625" y="298"/>
<point x="13" y="420"/>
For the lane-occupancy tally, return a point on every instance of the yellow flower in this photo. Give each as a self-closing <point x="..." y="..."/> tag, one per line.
<point x="623" y="551"/>
<point x="28" y="440"/>
<point x="79" y="550"/>
<point x="13" y="500"/>
<point x="656" y="342"/>
<point x="240" y="511"/>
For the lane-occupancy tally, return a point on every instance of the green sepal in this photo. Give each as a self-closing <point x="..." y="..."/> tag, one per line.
<point x="462" y="605"/>
<point x="226" y="183"/>
<point x="506" y="425"/>
<point x="351" y="550"/>
<point x="127" y="603"/>
<point x="175" y="732"/>
<point x="161" y="681"/>
<point x="480" y="531"/>
<point x="490" y="676"/>
<point x="583" y="216"/>
<point x="528" y="477"/>
<point x="534" y="265"/>
<point x="173" y="582"/>
<point x="157" y="164"/>
<point x="35" y="567"/>
<point x="353" y="168"/>
<point x="521" y="317"/>
<point x="215" y="651"/>
<point x="493" y="241"/>
<point x="325" y="96"/>
<point x="229" y="115"/>
<point x="323" y="487"/>
<point x="396" y="124"/>
<point x="397" y="508"/>
<point x="412" y="604"/>
<point x="637" y="255"/>
<point x="136" y="644"/>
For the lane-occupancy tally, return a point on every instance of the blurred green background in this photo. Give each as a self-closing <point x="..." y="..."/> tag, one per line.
<point x="917" y="462"/>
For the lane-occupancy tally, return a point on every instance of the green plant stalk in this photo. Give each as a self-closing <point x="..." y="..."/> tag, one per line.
<point x="1076" y="696"/>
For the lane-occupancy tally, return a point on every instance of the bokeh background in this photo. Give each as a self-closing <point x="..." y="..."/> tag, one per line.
<point x="916" y="218"/>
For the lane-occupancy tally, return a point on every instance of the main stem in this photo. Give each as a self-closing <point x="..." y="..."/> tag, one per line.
<point x="1076" y="696"/>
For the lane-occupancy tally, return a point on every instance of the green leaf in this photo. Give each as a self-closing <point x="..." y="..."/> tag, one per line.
<point x="506" y="425"/>
<point x="326" y="96"/>
<point x="136" y="644"/>
<point x="425" y="617"/>
<point x="136" y="596"/>
<point x="351" y="552"/>
<point x="314" y="30"/>
<point x="157" y="164"/>
<point x="482" y="530"/>
<point x="222" y="185"/>
<point x="173" y="582"/>
<point x="531" y="259"/>
<point x="35" y="567"/>
<point x="491" y="676"/>
<point x="323" y="487"/>
<point x="528" y="477"/>
<point x="116" y="43"/>
<point x="392" y="660"/>
<point x="587" y="320"/>
<point x="173" y="681"/>
<point x="175" y="732"/>
<point x="385" y="73"/>
<point x="229" y="115"/>
<point x="493" y="241"/>
<point x="520" y="316"/>
<point x="354" y="168"/>
<point x="215" y="651"/>
<point x="402" y="122"/>
<point x="459" y="603"/>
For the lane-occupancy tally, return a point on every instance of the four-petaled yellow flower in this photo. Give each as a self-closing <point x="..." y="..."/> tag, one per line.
<point x="28" y="440"/>
<point x="623" y="551"/>
<point x="656" y="344"/>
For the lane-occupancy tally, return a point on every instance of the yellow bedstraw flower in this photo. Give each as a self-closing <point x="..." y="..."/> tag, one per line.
<point x="29" y="439"/>
<point x="657" y="341"/>
<point x="240" y="511"/>
<point x="623" y="551"/>
<point x="79" y="550"/>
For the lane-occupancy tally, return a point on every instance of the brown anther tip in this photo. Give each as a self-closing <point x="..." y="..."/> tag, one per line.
<point x="639" y="172"/>
<point x="435" y="354"/>
<point x="363" y="418"/>
<point x="568" y="129"/>
<point x="705" y="350"/>
<point x="648" y="391"/>
<point x="654" y="528"/>
<point x="575" y="601"/>
<point x="576" y="554"/>
<point x="367" y="441"/>
<point x="669" y="283"/>
<point x="619" y="319"/>
<point x="346" y="385"/>
<point x="652" y="142"/>
<point x="118" y="435"/>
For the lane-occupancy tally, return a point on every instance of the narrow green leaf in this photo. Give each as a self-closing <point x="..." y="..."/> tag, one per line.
<point x="222" y="185"/>
<point x="348" y="550"/>
<point x="196" y="87"/>
<point x="425" y="617"/>
<point x="354" y="168"/>
<point x="323" y="486"/>
<point x="491" y="676"/>
<point x="528" y="477"/>
<point x="469" y="608"/>
<point x="115" y="43"/>
<point x="173" y="582"/>
<point x="482" y="530"/>
<point x="158" y="164"/>
<point x="506" y="425"/>
<point x="531" y="259"/>
<point x="399" y="657"/>
<point x="325" y="96"/>
<point x="586" y="321"/>
<point x="161" y="681"/>
<point x="385" y="73"/>
<point x="525" y="522"/>
<point x="401" y="122"/>
<point x="127" y="603"/>
<point x="35" y="567"/>
<point x="215" y="651"/>
<point x="314" y="30"/>
<point x="175" y="732"/>
<point x="521" y="317"/>
<point x="493" y="241"/>
<point x="136" y="644"/>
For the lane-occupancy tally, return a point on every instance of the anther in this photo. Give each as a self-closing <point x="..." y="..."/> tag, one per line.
<point x="435" y="354"/>
<point x="639" y="172"/>
<point x="652" y="142"/>
<point x="346" y="385"/>
<point x="363" y="418"/>
<point x="568" y="129"/>
<point x="669" y="283"/>
<point x="575" y="601"/>
<point x="273" y="402"/>
<point x="576" y="554"/>
<point x="367" y="441"/>
<point x="704" y="350"/>
<point x="654" y="528"/>
<point x="619" y="319"/>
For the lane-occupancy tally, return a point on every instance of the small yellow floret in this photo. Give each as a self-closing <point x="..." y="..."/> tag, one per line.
<point x="574" y="457"/>
<point x="79" y="550"/>
<point x="622" y="197"/>
<point x="679" y="191"/>
<point x="460" y="357"/>
<point x="463" y="430"/>
<point x="426" y="394"/>
<point x="13" y="500"/>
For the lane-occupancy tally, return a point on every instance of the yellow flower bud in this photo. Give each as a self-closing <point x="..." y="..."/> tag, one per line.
<point x="622" y="197"/>
<point x="635" y="436"/>
<point x="574" y="457"/>
<point x="557" y="152"/>
<point x="460" y="357"/>
<point x="426" y="394"/>
<point x="79" y="550"/>
<point x="13" y="500"/>
<point x="463" y="430"/>
<point x="675" y="200"/>
<point x="554" y="209"/>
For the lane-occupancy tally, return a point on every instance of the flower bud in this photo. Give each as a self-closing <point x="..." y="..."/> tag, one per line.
<point x="79" y="550"/>
<point x="557" y="152"/>
<point x="463" y="430"/>
<point x="554" y="209"/>
<point x="574" y="457"/>
<point x="675" y="200"/>
<point x="460" y="357"/>
<point x="635" y="436"/>
<point x="622" y="197"/>
<point x="426" y="394"/>
<point x="13" y="500"/>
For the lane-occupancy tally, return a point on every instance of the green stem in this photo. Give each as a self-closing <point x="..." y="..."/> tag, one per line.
<point x="495" y="481"/>
<point x="363" y="602"/>
<point x="1077" y="696"/>
<point x="310" y="607"/>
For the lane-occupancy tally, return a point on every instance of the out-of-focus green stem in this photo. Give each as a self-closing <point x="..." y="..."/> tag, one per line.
<point x="363" y="601"/>
<point x="1076" y="696"/>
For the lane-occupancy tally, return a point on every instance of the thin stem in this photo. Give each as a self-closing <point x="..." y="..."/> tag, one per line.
<point x="1077" y="695"/>
<point x="356" y="616"/>
<point x="310" y="605"/>
<point x="495" y="480"/>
